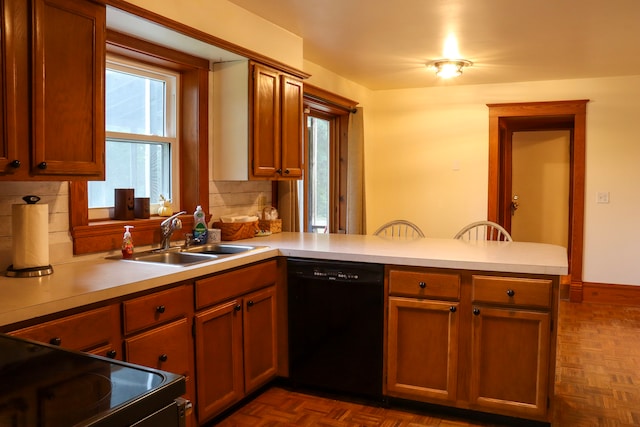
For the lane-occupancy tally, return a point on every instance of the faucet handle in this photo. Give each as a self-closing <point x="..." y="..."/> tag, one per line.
<point x="188" y="239"/>
<point x="176" y="223"/>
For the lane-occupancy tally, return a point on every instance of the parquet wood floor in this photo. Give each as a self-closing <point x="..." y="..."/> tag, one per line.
<point x="597" y="383"/>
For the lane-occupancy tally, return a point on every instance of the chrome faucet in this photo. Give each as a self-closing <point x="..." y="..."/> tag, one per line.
<point x="168" y="226"/>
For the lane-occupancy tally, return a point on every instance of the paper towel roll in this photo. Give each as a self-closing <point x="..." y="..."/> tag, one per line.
<point x="30" y="235"/>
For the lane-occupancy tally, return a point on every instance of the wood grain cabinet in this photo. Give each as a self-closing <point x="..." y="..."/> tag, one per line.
<point x="56" y="52"/>
<point x="95" y="331"/>
<point x="157" y="330"/>
<point x="475" y="341"/>
<point x="236" y="336"/>
<point x="423" y="331"/>
<point x="14" y="83"/>
<point x="512" y="345"/>
<point x="276" y="121"/>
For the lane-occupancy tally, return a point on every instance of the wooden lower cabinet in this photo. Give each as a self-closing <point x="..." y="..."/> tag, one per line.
<point x="483" y="342"/>
<point x="236" y="350"/>
<point x="422" y="355"/>
<point x="157" y="329"/>
<point x="236" y="339"/>
<point x="510" y="360"/>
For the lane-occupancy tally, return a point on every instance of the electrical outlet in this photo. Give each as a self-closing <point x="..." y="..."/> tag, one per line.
<point x="602" y="197"/>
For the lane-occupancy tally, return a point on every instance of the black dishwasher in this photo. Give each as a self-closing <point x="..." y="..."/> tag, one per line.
<point x="336" y="326"/>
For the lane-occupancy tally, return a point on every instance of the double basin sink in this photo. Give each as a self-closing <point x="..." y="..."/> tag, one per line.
<point x="185" y="256"/>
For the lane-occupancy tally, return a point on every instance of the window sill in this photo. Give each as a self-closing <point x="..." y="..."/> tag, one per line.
<point x="102" y="236"/>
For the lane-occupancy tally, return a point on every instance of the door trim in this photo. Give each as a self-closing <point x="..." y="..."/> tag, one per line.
<point x="542" y="115"/>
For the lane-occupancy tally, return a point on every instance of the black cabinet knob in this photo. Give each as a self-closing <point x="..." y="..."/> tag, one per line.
<point x="279" y="171"/>
<point x="42" y="165"/>
<point x="287" y="171"/>
<point x="511" y="292"/>
<point x="55" y="341"/>
<point x="237" y="307"/>
<point x="422" y="285"/>
<point x="250" y="303"/>
<point x="161" y="309"/>
<point x="111" y="354"/>
<point x="476" y="311"/>
<point x="163" y="357"/>
<point x="452" y="309"/>
<point x="15" y="164"/>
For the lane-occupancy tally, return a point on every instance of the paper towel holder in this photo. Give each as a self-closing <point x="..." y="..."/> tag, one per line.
<point x="29" y="272"/>
<point x="32" y="271"/>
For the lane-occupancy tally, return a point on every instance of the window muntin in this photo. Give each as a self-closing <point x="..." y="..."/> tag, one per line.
<point x="141" y="143"/>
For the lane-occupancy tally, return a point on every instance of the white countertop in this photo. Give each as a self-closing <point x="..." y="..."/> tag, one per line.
<point x="76" y="284"/>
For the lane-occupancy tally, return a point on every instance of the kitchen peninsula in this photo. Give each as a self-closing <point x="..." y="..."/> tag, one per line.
<point x="492" y="304"/>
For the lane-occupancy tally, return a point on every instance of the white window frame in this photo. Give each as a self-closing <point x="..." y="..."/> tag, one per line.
<point x="172" y="102"/>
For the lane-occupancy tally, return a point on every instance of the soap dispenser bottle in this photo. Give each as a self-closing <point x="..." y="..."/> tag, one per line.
<point x="199" y="227"/>
<point x="127" y="243"/>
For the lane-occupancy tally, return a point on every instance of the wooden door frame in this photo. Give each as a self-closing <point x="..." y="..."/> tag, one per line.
<point x="503" y="119"/>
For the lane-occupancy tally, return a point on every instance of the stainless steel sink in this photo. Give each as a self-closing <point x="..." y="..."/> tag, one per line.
<point x="220" y="249"/>
<point x="185" y="256"/>
<point x="177" y="258"/>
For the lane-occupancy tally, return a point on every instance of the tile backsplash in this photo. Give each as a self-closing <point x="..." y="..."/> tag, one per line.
<point x="225" y="197"/>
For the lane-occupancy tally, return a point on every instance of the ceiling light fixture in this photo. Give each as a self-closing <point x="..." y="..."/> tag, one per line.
<point x="448" y="68"/>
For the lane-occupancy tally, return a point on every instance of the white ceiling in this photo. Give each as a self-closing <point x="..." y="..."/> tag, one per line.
<point x="384" y="44"/>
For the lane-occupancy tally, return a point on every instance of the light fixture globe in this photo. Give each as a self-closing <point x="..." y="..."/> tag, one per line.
<point x="449" y="68"/>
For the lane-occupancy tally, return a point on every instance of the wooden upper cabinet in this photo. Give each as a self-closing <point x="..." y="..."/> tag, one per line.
<point x="292" y="126"/>
<point x="69" y="66"/>
<point x="276" y="124"/>
<point x="14" y="108"/>
<point x="266" y="122"/>
<point x="52" y="66"/>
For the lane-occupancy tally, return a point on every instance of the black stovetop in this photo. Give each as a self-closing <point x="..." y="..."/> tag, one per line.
<point x="43" y="385"/>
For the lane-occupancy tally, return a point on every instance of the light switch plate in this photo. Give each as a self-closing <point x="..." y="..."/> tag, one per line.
<point x="603" y="197"/>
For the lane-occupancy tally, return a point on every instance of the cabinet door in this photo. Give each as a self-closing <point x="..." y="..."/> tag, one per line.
<point x="260" y="338"/>
<point x="219" y="358"/>
<point x="292" y="127"/>
<point x="68" y="92"/>
<point x="166" y="347"/>
<point x="422" y="353"/>
<point x="510" y="361"/>
<point x="265" y="122"/>
<point x="14" y="108"/>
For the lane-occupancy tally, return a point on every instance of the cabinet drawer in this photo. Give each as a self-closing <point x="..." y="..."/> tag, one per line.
<point x="82" y="331"/>
<point x="215" y="289"/>
<point x="422" y="284"/>
<point x="155" y="309"/>
<point x="166" y="348"/>
<point x="512" y="291"/>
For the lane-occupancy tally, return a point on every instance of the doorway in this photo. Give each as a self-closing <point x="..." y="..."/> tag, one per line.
<point x="504" y="121"/>
<point x="540" y="186"/>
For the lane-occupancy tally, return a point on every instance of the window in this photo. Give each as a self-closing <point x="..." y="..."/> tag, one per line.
<point x="141" y="143"/>
<point x="322" y="195"/>
<point x="190" y="183"/>
<point x="318" y="182"/>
